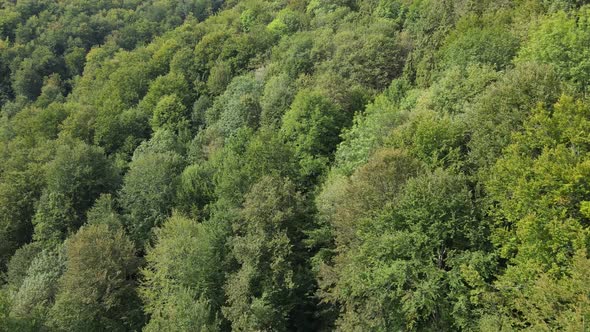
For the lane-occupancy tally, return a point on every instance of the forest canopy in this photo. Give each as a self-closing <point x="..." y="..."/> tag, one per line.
<point x="294" y="165"/>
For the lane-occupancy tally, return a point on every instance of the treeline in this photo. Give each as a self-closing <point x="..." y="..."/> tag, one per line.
<point x="294" y="165"/>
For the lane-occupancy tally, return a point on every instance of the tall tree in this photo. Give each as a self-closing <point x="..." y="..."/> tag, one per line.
<point x="184" y="276"/>
<point x="539" y="192"/>
<point x="271" y="288"/>
<point x="97" y="289"/>
<point x="148" y="192"/>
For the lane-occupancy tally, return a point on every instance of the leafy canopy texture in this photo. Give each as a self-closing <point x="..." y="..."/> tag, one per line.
<point x="294" y="165"/>
<point x="95" y="291"/>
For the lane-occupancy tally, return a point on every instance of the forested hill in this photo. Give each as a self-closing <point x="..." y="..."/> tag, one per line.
<point x="294" y="165"/>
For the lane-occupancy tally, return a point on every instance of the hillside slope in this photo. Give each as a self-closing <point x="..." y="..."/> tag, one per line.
<point x="294" y="165"/>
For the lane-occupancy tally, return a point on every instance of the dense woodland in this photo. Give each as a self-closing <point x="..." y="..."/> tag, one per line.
<point x="294" y="165"/>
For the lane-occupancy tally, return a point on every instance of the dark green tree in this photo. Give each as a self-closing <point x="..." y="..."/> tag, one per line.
<point x="270" y="289"/>
<point x="96" y="291"/>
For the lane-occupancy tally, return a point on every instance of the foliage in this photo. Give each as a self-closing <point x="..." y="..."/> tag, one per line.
<point x="184" y="271"/>
<point x="239" y="106"/>
<point x="95" y="291"/>
<point x="539" y="222"/>
<point x="400" y="267"/>
<point x="305" y="165"/>
<point x="76" y="177"/>
<point x="148" y="192"/>
<point x="503" y="106"/>
<point x="560" y="40"/>
<point x="36" y="293"/>
<point x="264" y="294"/>
<point x="474" y="42"/>
<point x="18" y="191"/>
<point x="312" y="126"/>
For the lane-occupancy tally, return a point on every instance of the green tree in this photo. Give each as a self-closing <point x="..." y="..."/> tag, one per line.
<point x="36" y="293"/>
<point x="276" y="99"/>
<point x="196" y="190"/>
<point x="20" y="263"/>
<point x="245" y="159"/>
<point x="219" y="77"/>
<point x="560" y="40"/>
<point x="81" y="172"/>
<point x="407" y="249"/>
<point x="295" y="55"/>
<point x="503" y="107"/>
<point x="476" y="41"/>
<point x="6" y="323"/>
<point x="52" y="91"/>
<point x="54" y="219"/>
<point x="148" y="192"/>
<point x="366" y="56"/>
<point x="539" y="189"/>
<point x="104" y="212"/>
<point x="170" y="84"/>
<point x="270" y="289"/>
<point x="169" y="113"/>
<point x="96" y="291"/>
<point x="438" y="140"/>
<point x="312" y="126"/>
<point x="238" y="106"/>
<point x="75" y="178"/>
<point x="287" y="22"/>
<point x="19" y="191"/>
<point x="371" y="128"/>
<point x="184" y="275"/>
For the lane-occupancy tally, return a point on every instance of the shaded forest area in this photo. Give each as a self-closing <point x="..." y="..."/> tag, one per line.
<point x="294" y="165"/>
